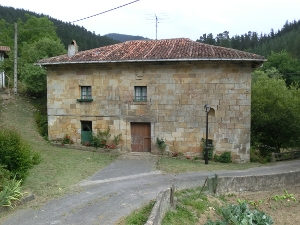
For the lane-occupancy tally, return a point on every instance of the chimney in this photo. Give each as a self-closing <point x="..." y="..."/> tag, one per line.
<point x="72" y="49"/>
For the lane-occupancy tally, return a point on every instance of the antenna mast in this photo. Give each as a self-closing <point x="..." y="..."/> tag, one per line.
<point x="156" y="26"/>
<point x="156" y="21"/>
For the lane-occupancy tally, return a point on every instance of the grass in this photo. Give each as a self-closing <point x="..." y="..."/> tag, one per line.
<point x="178" y="165"/>
<point x="139" y="216"/>
<point x="191" y="204"/>
<point x="60" y="168"/>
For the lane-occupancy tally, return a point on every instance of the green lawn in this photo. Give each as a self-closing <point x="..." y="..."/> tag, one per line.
<point x="179" y="165"/>
<point x="60" y="168"/>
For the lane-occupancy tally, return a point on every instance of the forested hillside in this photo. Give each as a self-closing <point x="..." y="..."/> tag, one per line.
<point x="124" y="37"/>
<point x="287" y="38"/>
<point x="65" y="31"/>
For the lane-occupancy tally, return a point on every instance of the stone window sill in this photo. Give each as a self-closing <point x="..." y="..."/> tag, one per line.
<point x="85" y="100"/>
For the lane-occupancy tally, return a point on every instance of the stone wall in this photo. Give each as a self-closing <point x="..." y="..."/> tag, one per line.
<point x="176" y="95"/>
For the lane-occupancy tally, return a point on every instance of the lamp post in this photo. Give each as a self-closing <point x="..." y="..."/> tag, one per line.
<point x="206" y="108"/>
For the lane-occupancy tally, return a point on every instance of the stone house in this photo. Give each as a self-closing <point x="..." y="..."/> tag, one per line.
<point x="3" y="54"/>
<point x="154" y="88"/>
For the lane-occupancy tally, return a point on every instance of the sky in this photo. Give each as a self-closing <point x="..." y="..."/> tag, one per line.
<point x="176" y="19"/>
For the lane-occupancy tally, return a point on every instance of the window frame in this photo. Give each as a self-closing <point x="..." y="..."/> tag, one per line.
<point x="85" y="94"/>
<point x="140" y="94"/>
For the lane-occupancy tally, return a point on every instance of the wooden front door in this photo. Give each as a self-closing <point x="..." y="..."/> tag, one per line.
<point x="140" y="137"/>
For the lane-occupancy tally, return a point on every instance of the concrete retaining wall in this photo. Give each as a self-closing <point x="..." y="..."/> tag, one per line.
<point x="253" y="183"/>
<point x="219" y="184"/>
<point x="160" y="208"/>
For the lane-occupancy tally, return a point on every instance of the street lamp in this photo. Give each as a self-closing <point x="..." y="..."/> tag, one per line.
<point x="206" y="108"/>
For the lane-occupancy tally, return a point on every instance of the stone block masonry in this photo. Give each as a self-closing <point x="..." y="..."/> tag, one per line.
<point x="176" y="95"/>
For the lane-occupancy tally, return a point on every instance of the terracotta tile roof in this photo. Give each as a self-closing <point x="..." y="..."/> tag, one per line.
<point x="4" y="48"/>
<point x="154" y="50"/>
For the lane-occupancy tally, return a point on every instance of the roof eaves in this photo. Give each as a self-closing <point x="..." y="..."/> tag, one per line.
<point x="149" y="60"/>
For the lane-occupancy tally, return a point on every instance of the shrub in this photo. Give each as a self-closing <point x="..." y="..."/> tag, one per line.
<point x="255" y="156"/>
<point x="16" y="154"/>
<point x="225" y="157"/>
<point x="161" y="144"/>
<point x="42" y="123"/>
<point x="100" y="139"/>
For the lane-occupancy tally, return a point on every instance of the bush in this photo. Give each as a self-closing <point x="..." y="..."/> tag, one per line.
<point x="225" y="157"/>
<point x="16" y="154"/>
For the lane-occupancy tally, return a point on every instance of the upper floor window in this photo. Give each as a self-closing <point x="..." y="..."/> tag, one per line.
<point x="140" y="93"/>
<point x="86" y="92"/>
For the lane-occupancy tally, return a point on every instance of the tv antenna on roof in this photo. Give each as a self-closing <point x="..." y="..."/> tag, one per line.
<point x="158" y="18"/>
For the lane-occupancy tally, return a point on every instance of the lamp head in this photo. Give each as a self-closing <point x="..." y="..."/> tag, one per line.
<point x="207" y="108"/>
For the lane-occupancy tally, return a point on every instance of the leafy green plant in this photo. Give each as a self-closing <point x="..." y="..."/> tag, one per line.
<point x="241" y="215"/>
<point x="16" y="154"/>
<point x="161" y="144"/>
<point x="100" y="139"/>
<point x="10" y="193"/>
<point x="117" y="139"/>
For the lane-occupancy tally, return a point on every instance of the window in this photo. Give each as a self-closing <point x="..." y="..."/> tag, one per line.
<point x="140" y="93"/>
<point x="86" y="94"/>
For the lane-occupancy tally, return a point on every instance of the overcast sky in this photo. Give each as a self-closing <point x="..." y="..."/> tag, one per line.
<point x="186" y="18"/>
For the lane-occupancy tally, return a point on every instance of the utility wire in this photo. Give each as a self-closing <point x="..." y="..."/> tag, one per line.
<point x="105" y="11"/>
<point x="85" y="17"/>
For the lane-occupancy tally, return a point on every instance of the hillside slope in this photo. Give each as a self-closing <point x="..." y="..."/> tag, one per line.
<point x="65" y="30"/>
<point x="124" y="37"/>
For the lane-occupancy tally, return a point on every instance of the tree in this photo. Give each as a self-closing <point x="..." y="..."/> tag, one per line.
<point x="36" y="40"/>
<point x="275" y="116"/>
<point x="288" y="66"/>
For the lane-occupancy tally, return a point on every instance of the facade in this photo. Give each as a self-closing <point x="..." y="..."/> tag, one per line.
<point x="157" y="88"/>
<point x="3" y="54"/>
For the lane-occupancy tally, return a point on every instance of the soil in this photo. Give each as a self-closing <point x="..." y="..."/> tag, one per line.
<point x="283" y="207"/>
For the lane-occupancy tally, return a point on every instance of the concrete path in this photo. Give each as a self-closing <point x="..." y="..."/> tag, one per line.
<point x="120" y="188"/>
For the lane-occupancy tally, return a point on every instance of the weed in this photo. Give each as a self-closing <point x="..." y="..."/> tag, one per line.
<point x="286" y="195"/>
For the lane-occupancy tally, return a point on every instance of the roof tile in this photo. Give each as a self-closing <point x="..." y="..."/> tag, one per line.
<point x="153" y="50"/>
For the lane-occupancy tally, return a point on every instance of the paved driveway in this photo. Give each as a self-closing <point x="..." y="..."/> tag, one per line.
<point x="118" y="189"/>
